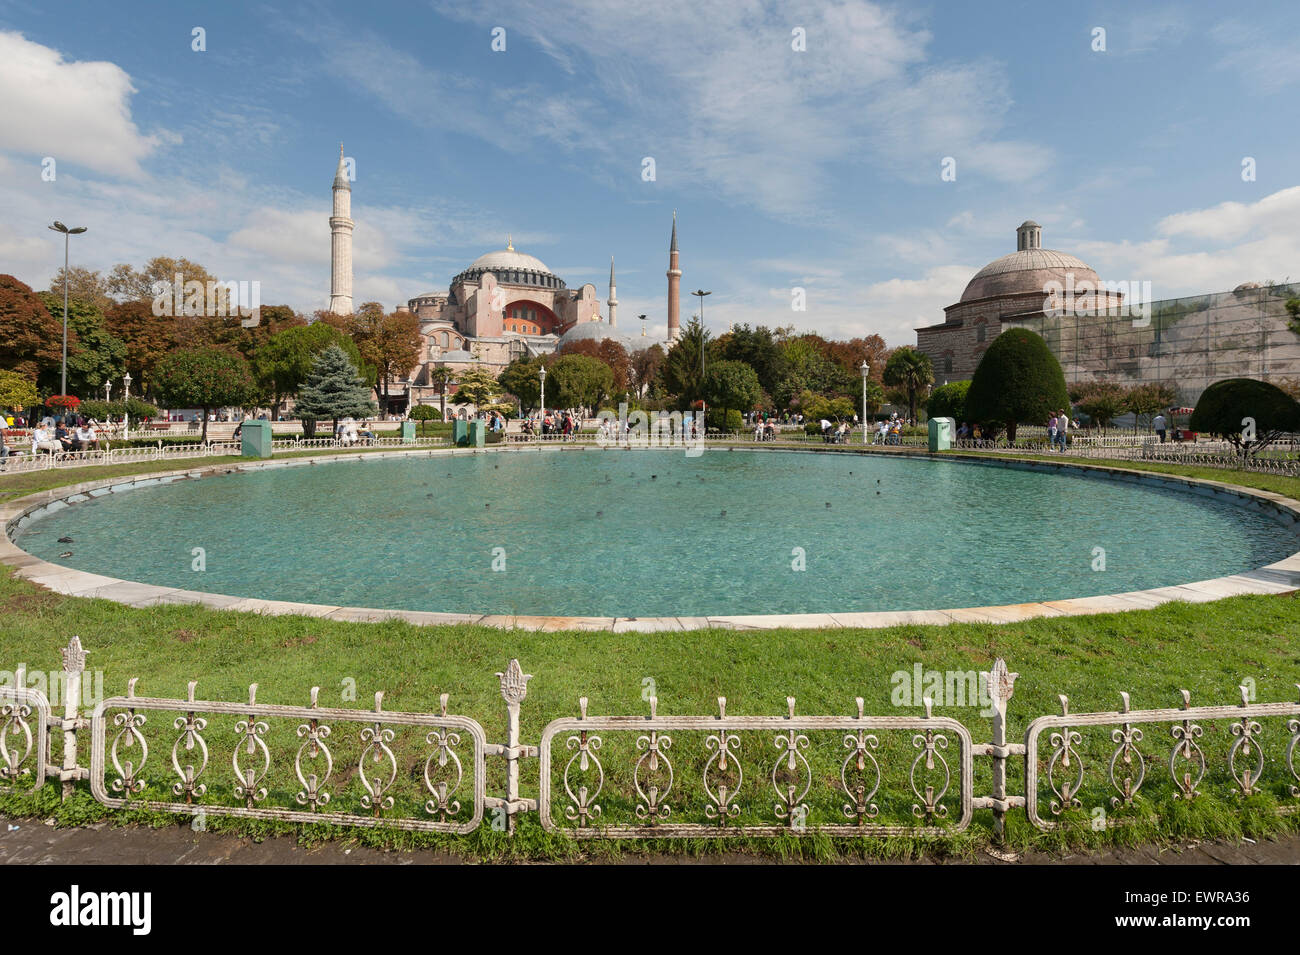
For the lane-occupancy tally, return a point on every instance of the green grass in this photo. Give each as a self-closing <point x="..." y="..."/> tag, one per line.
<point x="1208" y="649"/>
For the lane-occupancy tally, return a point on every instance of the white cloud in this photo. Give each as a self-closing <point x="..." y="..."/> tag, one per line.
<point x="76" y="112"/>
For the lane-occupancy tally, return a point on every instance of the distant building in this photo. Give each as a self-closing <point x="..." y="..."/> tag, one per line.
<point x="1102" y="330"/>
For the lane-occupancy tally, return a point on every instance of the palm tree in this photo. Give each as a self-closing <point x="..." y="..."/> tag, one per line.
<point x="910" y="370"/>
<point x="439" y="378"/>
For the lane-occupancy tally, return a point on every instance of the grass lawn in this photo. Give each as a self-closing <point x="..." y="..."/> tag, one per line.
<point x="1208" y="649"/>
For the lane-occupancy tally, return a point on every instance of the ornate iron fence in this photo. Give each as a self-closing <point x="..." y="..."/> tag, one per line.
<point x="627" y="776"/>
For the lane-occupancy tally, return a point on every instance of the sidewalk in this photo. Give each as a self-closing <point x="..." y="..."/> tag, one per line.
<point x="33" y="843"/>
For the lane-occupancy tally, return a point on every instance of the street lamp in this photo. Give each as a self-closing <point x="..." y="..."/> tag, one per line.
<point x="541" y="373"/>
<point x="866" y="371"/>
<point x="704" y="410"/>
<point x="67" y="234"/>
<point x="108" y="387"/>
<point x="126" y="397"/>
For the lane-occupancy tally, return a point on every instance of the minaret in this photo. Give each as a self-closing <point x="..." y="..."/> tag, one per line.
<point x="674" y="288"/>
<point x="341" y="242"/>
<point x="613" y="295"/>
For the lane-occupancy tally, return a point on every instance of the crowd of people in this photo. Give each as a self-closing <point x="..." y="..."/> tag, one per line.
<point x="564" y="423"/>
<point x="52" y="435"/>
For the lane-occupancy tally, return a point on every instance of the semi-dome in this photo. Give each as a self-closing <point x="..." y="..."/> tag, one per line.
<point x="599" y="331"/>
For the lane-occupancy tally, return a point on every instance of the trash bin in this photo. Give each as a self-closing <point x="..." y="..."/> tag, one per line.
<point x="477" y="434"/>
<point x="941" y="432"/>
<point x="459" y="432"/>
<point x="255" y="439"/>
<point x="408" y="432"/>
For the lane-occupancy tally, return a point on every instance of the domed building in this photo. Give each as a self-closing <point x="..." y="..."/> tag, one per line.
<point x="1016" y="288"/>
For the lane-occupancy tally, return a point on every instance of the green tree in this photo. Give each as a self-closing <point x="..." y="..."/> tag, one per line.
<point x="731" y="385"/>
<point x="334" y="389"/>
<point x="1247" y="413"/>
<point x="759" y="349"/>
<point x="440" y="378"/>
<point x="1018" y="379"/>
<point x="521" y="379"/>
<point x="579" y="381"/>
<point x="390" y="343"/>
<point x="476" y="386"/>
<point x="203" y="378"/>
<point x="680" y="374"/>
<point x="98" y="356"/>
<point x="911" y="371"/>
<point x="423" y="413"/>
<point x="948" y="401"/>
<point x="282" y="365"/>
<point x="16" y="391"/>
<point x="1293" y="314"/>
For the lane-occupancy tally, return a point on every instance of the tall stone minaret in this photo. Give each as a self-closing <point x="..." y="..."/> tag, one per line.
<point x="674" y="288"/>
<point x="613" y="295"/>
<point x="341" y="242"/>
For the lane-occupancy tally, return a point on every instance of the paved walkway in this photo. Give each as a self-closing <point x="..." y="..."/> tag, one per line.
<point x="34" y="843"/>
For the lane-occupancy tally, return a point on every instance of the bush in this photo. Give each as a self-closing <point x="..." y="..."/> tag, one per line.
<point x="1018" y="379"/>
<point x="734" y="421"/>
<point x="1248" y="413"/>
<point x="948" y="401"/>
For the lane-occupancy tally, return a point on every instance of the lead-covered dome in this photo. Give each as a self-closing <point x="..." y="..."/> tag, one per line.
<point x="599" y="331"/>
<point x="1028" y="270"/>
<point x="511" y="267"/>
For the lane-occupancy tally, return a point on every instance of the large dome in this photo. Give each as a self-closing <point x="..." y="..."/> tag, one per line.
<point x="511" y="268"/>
<point x="1027" y="271"/>
<point x="509" y="259"/>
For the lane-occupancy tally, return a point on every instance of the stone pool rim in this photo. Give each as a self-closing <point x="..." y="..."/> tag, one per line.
<point x="1277" y="578"/>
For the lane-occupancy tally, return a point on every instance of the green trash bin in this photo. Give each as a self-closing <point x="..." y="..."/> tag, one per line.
<point x="408" y="432"/>
<point x="941" y="432"/>
<point x="459" y="432"/>
<point x="477" y="434"/>
<point x="255" y="439"/>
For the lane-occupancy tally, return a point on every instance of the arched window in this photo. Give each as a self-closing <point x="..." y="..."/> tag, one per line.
<point x="947" y="365"/>
<point x="981" y="331"/>
<point x="444" y="339"/>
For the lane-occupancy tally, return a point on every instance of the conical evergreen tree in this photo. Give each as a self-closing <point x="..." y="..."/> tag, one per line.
<point x="334" y="390"/>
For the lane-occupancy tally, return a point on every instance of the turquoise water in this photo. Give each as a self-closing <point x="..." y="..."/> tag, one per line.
<point x="643" y="533"/>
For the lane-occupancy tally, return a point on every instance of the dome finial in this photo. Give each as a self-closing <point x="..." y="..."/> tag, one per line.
<point x="510" y="245"/>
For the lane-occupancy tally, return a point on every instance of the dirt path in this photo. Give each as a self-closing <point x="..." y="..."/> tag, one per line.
<point x="34" y="843"/>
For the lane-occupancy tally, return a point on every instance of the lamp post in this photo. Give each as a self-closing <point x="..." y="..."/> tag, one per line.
<point x="126" y="415"/>
<point x="866" y="371"/>
<point x="704" y="409"/>
<point x="108" y="387"/>
<point x="542" y="420"/>
<point x="67" y="234"/>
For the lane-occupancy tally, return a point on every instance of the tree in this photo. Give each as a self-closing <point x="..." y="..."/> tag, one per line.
<point x="521" y="379"/>
<point x="911" y="371"/>
<point x="477" y="387"/>
<point x="126" y="284"/>
<point x="645" y="369"/>
<point x="948" y="401"/>
<point x="229" y="331"/>
<point x="440" y="378"/>
<point x="1148" y="400"/>
<point x="1293" y="314"/>
<point x="680" y="374"/>
<point x="148" y="338"/>
<point x="282" y="364"/>
<point x="759" y="349"/>
<point x="334" y="389"/>
<point x="85" y="285"/>
<point x="1247" y="413"/>
<point x="610" y="352"/>
<point x="203" y="378"/>
<point x="31" y="339"/>
<point x="390" y="343"/>
<point x="1101" y="401"/>
<point x="579" y="381"/>
<point x="98" y="355"/>
<point x="423" y="413"/>
<point x="731" y="385"/>
<point x="1018" y="379"/>
<point x="16" y="391"/>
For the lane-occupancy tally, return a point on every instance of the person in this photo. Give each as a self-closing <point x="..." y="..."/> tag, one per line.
<point x="42" y="440"/>
<point x="1063" y="429"/>
<point x="4" y="445"/>
<point x="1162" y="428"/>
<point x="1051" y="431"/>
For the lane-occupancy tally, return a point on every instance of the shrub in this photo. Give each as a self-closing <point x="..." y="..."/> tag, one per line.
<point x="1018" y="379"/>
<point x="1249" y="414"/>
<point x="948" y="401"/>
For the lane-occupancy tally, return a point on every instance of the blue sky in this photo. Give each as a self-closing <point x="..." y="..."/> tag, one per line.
<point x="817" y="168"/>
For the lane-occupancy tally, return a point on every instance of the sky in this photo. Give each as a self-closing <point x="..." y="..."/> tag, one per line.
<point x="802" y="145"/>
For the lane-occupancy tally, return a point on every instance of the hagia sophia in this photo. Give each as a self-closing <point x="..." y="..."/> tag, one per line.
<point x="505" y="305"/>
